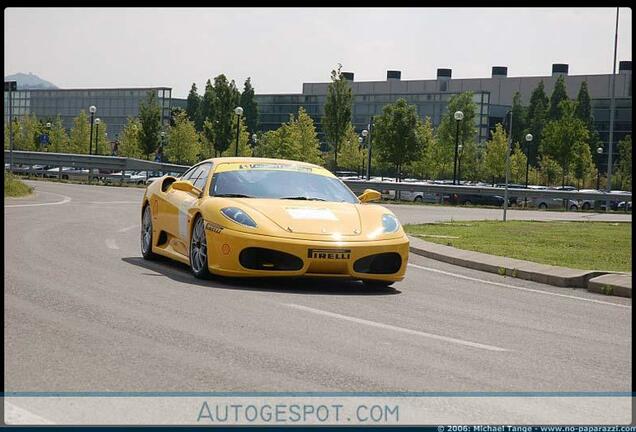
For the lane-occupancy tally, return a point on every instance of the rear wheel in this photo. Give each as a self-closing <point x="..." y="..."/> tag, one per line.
<point x="574" y="207"/>
<point x="199" y="250"/>
<point x="467" y="203"/>
<point x="146" y="234"/>
<point x="586" y="206"/>
<point x="543" y="206"/>
<point x="419" y="199"/>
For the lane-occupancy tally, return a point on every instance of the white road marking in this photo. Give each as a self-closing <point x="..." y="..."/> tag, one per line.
<point x="110" y="243"/>
<point x="398" y="329"/>
<point x="517" y="287"/>
<point x="14" y="415"/>
<point x="113" y="202"/>
<point x="128" y="228"/>
<point x="65" y="200"/>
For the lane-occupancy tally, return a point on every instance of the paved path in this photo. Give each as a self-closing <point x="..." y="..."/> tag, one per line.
<point x="84" y="312"/>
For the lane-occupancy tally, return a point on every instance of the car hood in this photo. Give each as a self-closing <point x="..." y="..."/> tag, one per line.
<point x="309" y="217"/>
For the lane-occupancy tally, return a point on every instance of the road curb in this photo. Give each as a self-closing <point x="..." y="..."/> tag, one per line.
<point x="619" y="284"/>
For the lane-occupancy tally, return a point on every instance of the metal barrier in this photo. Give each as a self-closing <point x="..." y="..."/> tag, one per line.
<point x="115" y="163"/>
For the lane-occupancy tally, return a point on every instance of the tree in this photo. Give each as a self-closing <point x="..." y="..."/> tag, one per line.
<point x="206" y="105"/>
<point x="130" y="145"/>
<point x="100" y="140"/>
<point x="150" y="119"/>
<point x="495" y="154"/>
<point x="244" y="140"/>
<point x="304" y="132"/>
<point x="625" y="164"/>
<point x="183" y="142"/>
<point x="208" y="134"/>
<point x="26" y="136"/>
<point x="536" y="117"/>
<point x="519" y="119"/>
<point x="279" y="143"/>
<point x="338" y="106"/>
<point x="563" y="139"/>
<point x="193" y="107"/>
<point x="583" y="109"/>
<point x="80" y="134"/>
<point x="549" y="169"/>
<point x="447" y="131"/>
<point x="518" y="164"/>
<point x="351" y="152"/>
<point x="559" y="94"/>
<point x="249" y="105"/>
<point x="421" y="167"/>
<point x="58" y="138"/>
<point x="395" y="134"/>
<point x="225" y="99"/>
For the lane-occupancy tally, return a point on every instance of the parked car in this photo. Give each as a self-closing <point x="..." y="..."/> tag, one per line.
<point x="68" y="173"/>
<point x="589" y="204"/>
<point x="543" y="202"/>
<point x="512" y="198"/>
<point x="130" y="177"/>
<point x="470" y="199"/>
<point x="621" y="205"/>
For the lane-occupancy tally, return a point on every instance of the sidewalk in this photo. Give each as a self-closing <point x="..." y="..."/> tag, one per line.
<point x="619" y="284"/>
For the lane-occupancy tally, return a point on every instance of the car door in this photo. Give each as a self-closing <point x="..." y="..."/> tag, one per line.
<point x="178" y="203"/>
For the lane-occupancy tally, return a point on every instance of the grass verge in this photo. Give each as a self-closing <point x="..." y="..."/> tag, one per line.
<point x="14" y="187"/>
<point x="581" y="245"/>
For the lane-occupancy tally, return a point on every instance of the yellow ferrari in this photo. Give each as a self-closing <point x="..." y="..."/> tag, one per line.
<point x="256" y="217"/>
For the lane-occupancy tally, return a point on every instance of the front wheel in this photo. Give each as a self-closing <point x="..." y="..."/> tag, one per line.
<point x="573" y="207"/>
<point x="543" y="206"/>
<point x="146" y="234"/>
<point x="199" y="250"/>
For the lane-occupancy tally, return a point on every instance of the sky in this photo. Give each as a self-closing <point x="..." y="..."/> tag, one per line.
<point x="280" y="48"/>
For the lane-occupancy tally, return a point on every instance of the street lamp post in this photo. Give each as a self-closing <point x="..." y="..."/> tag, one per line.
<point x="48" y="132"/>
<point x="163" y="136"/>
<point x="365" y="134"/>
<point x="92" y="110"/>
<point x="459" y="116"/>
<point x="599" y="152"/>
<point x="528" y="141"/>
<point x="460" y="149"/>
<point x="508" y="146"/>
<point x="239" y="112"/>
<point x="361" y="147"/>
<point x="97" y="122"/>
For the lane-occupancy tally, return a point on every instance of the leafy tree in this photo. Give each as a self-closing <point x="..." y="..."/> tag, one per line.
<point x="224" y="101"/>
<point x="249" y="105"/>
<point x="193" y="107"/>
<point x="58" y="138"/>
<point x="549" y="169"/>
<point x="519" y="119"/>
<point x="338" y="106"/>
<point x="130" y="144"/>
<point x="80" y="134"/>
<point x="536" y="119"/>
<point x="625" y="164"/>
<point x="559" y="94"/>
<point x="101" y="145"/>
<point x="150" y="119"/>
<point x="26" y="136"/>
<point x="183" y="142"/>
<point x="395" y="134"/>
<point x="582" y="164"/>
<point x="351" y="152"/>
<point x="447" y="130"/>
<point x="175" y="112"/>
<point x="563" y="139"/>
<point x="422" y="167"/>
<point x="279" y="143"/>
<point x="304" y="131"/>
<point x="208" y="139"/>
<point x="518" y="164"/>
<point x="583" y="109"/>
<point x="244" y="138"/>
<point x="206" y="105"/>
<point x="495" y="154"/>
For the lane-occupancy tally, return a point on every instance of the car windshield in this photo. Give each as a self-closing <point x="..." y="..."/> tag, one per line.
<point x="280" y="184"/>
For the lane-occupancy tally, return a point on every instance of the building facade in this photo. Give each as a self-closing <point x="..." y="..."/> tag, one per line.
<point x="114" y="106"/>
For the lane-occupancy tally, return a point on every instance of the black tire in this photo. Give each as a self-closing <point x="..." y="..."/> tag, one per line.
<point x="199" y="250"/>
<point x="377" y="284"/>
<point x="543" y="206"/>
<point x="574" y="207"/>
<point x="418" y="199"/>
<point x="467" y="203"/>
<point x="64" y="177"/>
<point x="586" y="206"/>
<point x="147" y="234"/>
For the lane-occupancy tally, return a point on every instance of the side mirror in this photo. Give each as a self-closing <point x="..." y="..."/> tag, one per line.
<point x="183" y="185"/>
<point x="370" y="195"/>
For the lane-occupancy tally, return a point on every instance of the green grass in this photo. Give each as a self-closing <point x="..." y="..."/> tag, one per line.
<point x="582" y="245"/>
<point x="13" y="186"/>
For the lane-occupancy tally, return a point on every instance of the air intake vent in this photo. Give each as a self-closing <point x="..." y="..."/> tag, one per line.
<point x="559" y="69"/>
<point x="499" y="71"/>
<point x="393" y="74"/>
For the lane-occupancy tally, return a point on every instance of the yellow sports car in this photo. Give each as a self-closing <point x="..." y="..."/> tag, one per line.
<point x="271" y="217"/>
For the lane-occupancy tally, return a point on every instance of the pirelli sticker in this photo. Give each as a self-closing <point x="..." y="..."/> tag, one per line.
<point x="214" y="227"/>
<point x="329" y="254"/>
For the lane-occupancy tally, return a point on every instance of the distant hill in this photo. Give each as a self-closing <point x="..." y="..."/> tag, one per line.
<point x="30" y="81"/>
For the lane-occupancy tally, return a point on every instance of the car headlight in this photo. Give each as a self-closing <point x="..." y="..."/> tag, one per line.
<point x="390" y="223"/>
<point x="239" y="216"/>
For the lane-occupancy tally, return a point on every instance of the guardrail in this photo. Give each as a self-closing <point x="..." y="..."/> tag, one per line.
<point x="115" y="163"/>
<point x="90" y="162"/>
<point x="360" y="185"/>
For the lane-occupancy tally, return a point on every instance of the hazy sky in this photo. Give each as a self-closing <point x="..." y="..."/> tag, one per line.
<point x="280" y="48"/>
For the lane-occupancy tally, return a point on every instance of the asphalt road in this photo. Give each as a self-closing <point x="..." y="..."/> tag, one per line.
<point x="84" y="312"/>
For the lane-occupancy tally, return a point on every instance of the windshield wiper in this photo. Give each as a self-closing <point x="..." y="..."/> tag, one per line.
<point x="303" y="198"/>
<point x="233" y="195"/>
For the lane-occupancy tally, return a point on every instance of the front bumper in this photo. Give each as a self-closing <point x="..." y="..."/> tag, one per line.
<point x="225" y="246"/>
